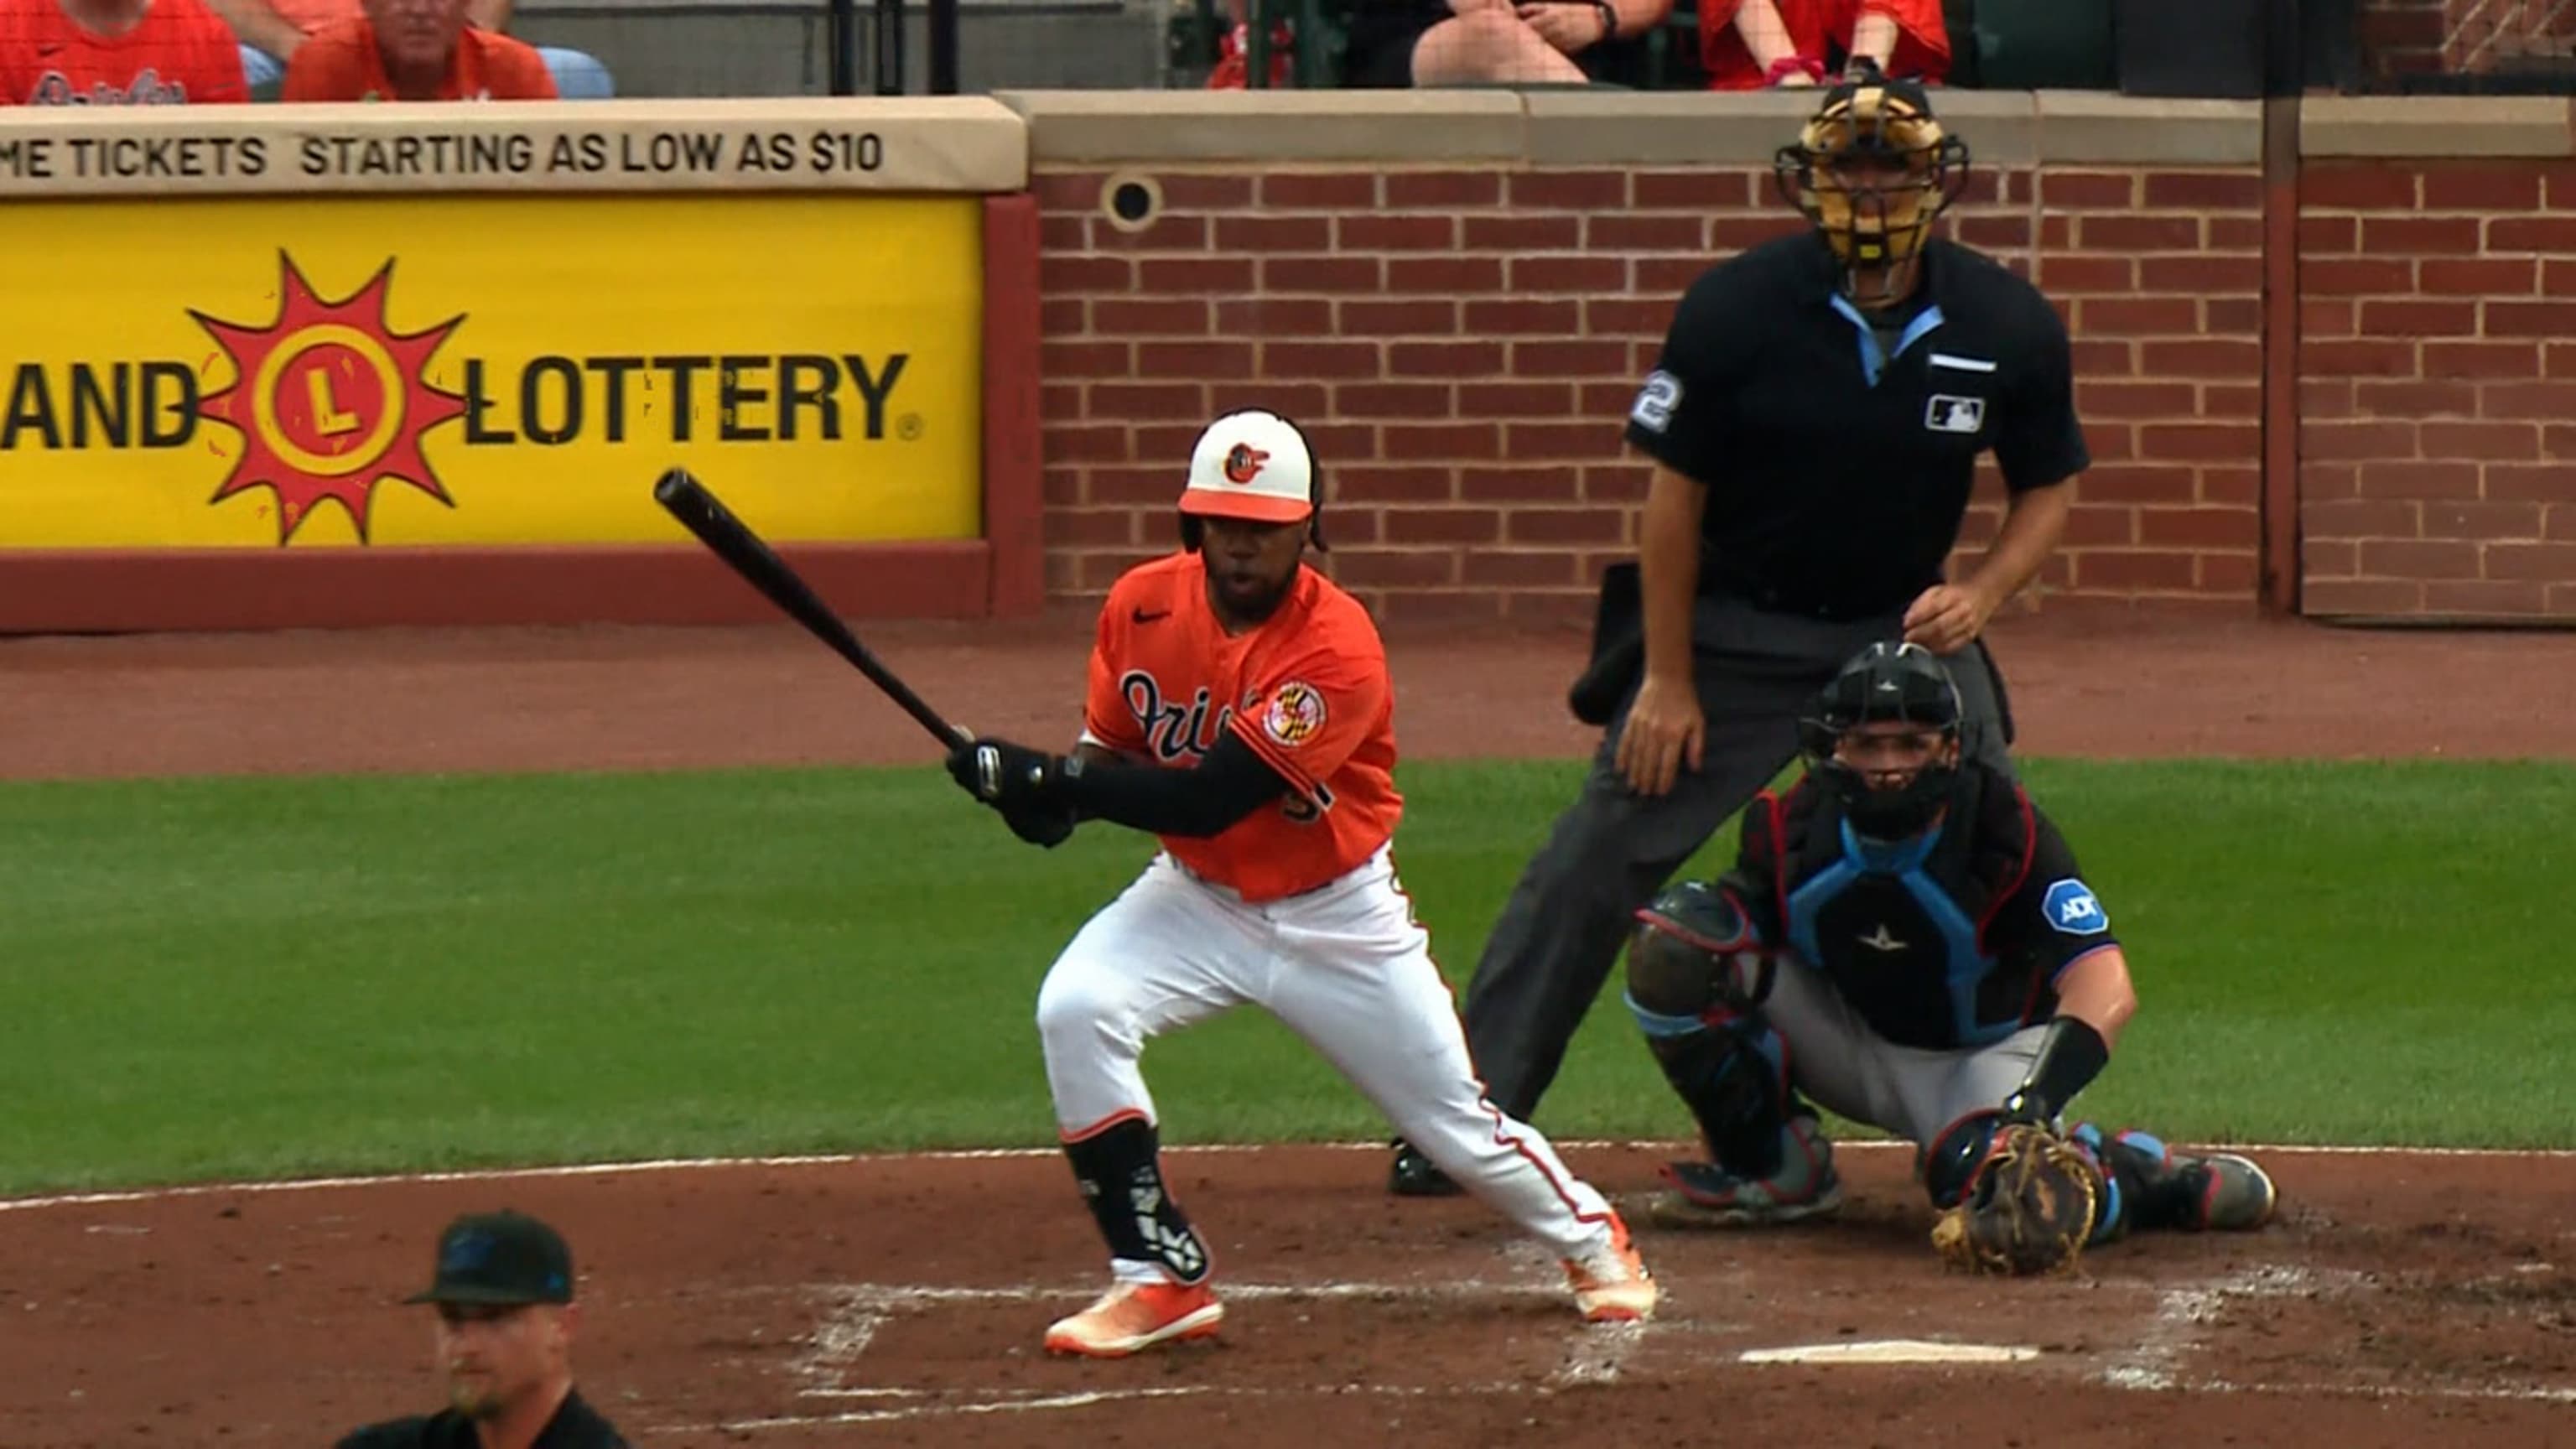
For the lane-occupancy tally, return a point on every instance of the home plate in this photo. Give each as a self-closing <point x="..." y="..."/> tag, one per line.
<point x="1890" y="1350"/>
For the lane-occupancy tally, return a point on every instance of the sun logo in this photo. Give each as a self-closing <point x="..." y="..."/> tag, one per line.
<point x="329" y="399"/>
<point x="1243" y="463"/>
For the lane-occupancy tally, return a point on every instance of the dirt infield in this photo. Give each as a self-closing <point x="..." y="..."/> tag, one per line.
<point x="2402" y="1299"/>
<point x="2399" y="1301"/>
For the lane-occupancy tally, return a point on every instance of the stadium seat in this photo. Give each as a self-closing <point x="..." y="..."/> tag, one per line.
<point x="2024" y="45"/>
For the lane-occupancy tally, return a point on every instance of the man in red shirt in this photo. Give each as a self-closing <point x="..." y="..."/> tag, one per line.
<point x="414" y="50"/>
<point x="116" y="53"/>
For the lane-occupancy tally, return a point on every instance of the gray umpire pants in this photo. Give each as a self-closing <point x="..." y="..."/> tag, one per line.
<point x="1567" y="919"/>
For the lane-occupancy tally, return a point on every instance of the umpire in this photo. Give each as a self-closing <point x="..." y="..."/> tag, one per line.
<point x="1815" y="420"/>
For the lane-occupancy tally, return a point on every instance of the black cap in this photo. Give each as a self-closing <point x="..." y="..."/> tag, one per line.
<point x="503" y="1257"/>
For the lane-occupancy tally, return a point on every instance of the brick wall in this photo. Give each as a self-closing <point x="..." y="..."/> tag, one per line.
<point x="1463" y="345"/>
<point x="2437" y="388"/>
<point x="2403" y="37"/>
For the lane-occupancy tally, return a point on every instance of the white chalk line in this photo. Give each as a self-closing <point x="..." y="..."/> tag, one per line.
<point x="859" y="1310"/>
<point x="987" y="1154"/>
<point x="1023" y="1401"/>
<point x="1080" y="1400"/>
<point x="1595" y="1354"/>
<point x="2156" y="1363"/>
<point x="2155" y="1360"/>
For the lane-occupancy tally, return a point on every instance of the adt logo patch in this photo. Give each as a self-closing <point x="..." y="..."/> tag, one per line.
<point x="2072" y="909"/>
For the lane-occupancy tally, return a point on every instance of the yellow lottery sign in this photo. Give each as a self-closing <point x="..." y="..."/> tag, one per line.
<point x="487" y="369"/>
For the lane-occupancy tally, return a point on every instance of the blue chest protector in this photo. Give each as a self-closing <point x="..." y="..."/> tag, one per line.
<point x="1919" y="974"/>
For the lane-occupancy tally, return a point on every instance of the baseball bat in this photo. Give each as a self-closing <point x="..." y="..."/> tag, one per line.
<point x="704" y="514"/>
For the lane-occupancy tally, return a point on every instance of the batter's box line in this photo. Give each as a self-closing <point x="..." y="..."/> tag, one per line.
<point x="858" y="1311"/>
<point x="2523" y="1393"/>
<point x="1026" y="1401"/>
<point x="2182" y="1312"/>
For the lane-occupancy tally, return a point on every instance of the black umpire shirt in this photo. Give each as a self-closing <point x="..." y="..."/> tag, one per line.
<point x="1839" y="456"/>
<point x="575" y="1426"/>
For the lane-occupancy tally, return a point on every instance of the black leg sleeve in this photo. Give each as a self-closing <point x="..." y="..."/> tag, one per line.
<point x="1119" y="1169"/>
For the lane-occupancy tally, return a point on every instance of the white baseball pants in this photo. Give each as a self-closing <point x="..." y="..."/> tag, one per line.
<point x="1347" y="968"/>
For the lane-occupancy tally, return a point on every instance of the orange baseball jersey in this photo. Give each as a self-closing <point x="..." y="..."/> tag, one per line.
<point x="178" y="53"/>
<point x="1308" y="691"/>
<point x="340" y="63"/>
<point x="312" y="15"/>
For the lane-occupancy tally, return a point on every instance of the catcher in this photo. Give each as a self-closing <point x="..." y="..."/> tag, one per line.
<point x="1905" y="941"/>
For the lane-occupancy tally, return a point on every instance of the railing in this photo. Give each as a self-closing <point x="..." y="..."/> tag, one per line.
<point x="2492" y="35"/>
<point x="887" y="46"/>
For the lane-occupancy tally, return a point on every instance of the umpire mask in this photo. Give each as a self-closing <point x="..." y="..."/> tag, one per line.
<point x="1885" y="684"/>
<point x="1872" y="170"/>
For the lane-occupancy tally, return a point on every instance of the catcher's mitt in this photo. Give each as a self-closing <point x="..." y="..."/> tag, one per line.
<point x="2028" y="1209"/>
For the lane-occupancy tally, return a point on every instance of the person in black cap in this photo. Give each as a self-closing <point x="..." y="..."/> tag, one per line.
<point x="506" y="1322"/>
<point x="1814" y="421"/>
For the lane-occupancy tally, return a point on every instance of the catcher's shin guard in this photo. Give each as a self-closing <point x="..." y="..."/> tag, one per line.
<point x="1119" y="1169"/>
<point x="1733" y="1075"/>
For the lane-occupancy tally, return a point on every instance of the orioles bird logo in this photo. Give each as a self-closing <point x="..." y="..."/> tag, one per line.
<point x="1243" y="463"/>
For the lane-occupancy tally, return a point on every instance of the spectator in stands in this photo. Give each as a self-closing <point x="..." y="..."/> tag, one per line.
<point x="1746" y="45"/>
<point x="1233" y="70"/>
<point x="116" y="53"/>
<point x="272" y="31"/>
<point x="414" y="50"/>
<point x="1398" y="43"/>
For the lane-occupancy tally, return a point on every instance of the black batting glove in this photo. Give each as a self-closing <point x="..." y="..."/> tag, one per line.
<point x="1006" y="776"/>
<point x="1046" y="825"/>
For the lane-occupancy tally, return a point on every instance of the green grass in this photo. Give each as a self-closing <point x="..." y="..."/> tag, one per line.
<point x="258" y="977"/>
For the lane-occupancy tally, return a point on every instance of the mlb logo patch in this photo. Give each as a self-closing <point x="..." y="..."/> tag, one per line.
<point x="1950" y="413"/>
<point x="2072" y="909"/>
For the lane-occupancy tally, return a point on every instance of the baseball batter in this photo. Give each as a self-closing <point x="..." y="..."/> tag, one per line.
<point x="1240" y="710"/>
<point x="1905" y="939"/>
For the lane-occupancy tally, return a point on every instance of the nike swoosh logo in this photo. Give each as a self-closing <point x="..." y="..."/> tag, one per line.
<point x="1141" y="616"/>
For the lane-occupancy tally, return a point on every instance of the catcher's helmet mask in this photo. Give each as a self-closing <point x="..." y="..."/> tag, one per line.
<point x="1873" y="170"/>
<point x="1885" y="684"/>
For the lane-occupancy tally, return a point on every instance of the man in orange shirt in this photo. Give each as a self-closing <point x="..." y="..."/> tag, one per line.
<point x="116" y="53"/>
<point x="272" y="31"/>
<point x="414" y="50"/>
<point x="1240" y="710"/>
